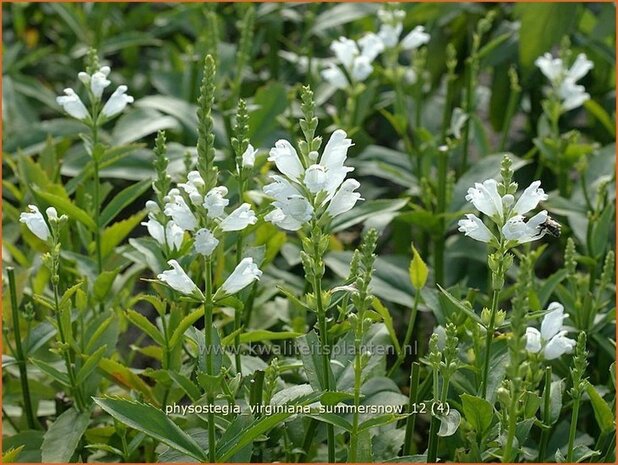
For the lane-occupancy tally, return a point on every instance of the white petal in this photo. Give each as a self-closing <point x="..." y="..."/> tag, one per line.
<point x="280" y="219"/>
<point x="472" y="226"/>
<point x="335" y="76"/>
<point x="361" y="69"/>
<point x="371" y="46"/>
<point x="72" y="104"/>
<point x="286" y="159"/>
<point x="35" y="222"/>
<point x="248" y="157"/>
<point x="239" y="219"/>
<point x="155" y="229"/>
<point x="345" y="50"/>
<point x="205" y="242"/>
<point x="389" y="34"/>
<point x="552" y="322"/>
<point x="174" y="235"/>
<point x="98" y="83"/>
<point x="180" y="212"/>
<point x="117" y="102"/>
<point x="345" y="198"/>
<point x="551" y="67"/>
<point x="558" y="346"/>
<point x="244" y="274"/>
<point x="177" y="279"/>
<point x="315" y="178"/>
<point x="485" y="197"/>
<point x="533" y="340"/>
<point x="580" y="67"/>
<point x="215" y="202"/>
<point x="336" y="150"/>
<point x="415" y="38"/>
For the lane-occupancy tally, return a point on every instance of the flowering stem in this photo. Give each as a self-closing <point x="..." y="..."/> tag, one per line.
<point x="408" y="336"/>
<point x="411" y="420"/>
<point x="546" y="416"/>
<point x="573" y="427"/>
<point x="358" y="370"/>
<point x="441" y="207"/>
<point x="97" y="194"/>
<point x="208" y="309"/>
<point x="239" y="249"/>
<point x="489" y="339"/>
<point x="21" y="360"/>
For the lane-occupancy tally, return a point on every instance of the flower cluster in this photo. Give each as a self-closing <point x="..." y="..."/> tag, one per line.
<point x="305" y="193"/>
<point x="507" y="214"/>
<point x="564" y="80"/>
<point x="95" y="85"/>
<point x="191" y="208"/>
<point x="551" y="340"/>
<point x="354" y="58"/>
<point x="391" y="28"/>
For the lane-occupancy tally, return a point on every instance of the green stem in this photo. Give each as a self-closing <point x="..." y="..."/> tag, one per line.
<point x="21" y="360"/>
<point x="546" y="416"/>
<point x="489" y="340"/>
<point x="511" y="428"/>
<point x="573" y="428"/>
<point x="434" y="439"/>
<point x="439" y="241"/>
<point x="239" y="250"/>
<point x="97" y="199"/>
<point x="208" y="320"/>
<point x="408" y="336"/>
<point x="357" y="386"/>
<point x="411" y="420"/>
<point x="469" y="102"/>
<point x="166" y="353"/>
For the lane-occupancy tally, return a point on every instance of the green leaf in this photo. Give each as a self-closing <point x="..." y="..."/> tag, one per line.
<point x="103" y="284"/>
<point x="542" y="27"/>
<point x="117" y="232"/>
<point x="271" y="101"/>
<point x="310" y="349"/>
<point x="229" y="446"/>
<point x="380" y="420"/>
<point x="418" y="270"/>
<point x="11" y="455"/>
<point x="92" y="361"/>
<point x="459" y="306"/>
<point x="478" y="412"/>
<point x="602" y="411"/>
<point x="49" y="370"/>
<point x="388" y="322"/>
<point x="145" y="325"/>
<point x="62" y="437"/>
<point x="153" y="422"/>
<point x="265" y="335"/>
<point x="184" y="324"/>
<point x="601" y="115"/>
<point x="186" y="384"/>
<point x="67" y="207"/>
<point x="600" y="231"/>
<point x="449" y="423"/>
<point x="124" y="377"/>
<point x="365" y="211"/>
<point x="122" y="200"/>
<point x="331" y="419"/>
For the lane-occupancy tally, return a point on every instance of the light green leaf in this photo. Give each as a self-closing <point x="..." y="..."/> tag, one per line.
<point x="62" y="437"/>
<point x="418" y="270"/>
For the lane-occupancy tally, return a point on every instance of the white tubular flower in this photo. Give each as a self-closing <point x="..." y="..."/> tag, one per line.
<point x="72" y="104"/>
<point x="248" y="157"/>
<point x="205" y="242"/>
<point x="572" y="95"/>
<point x="552" y="338"/>
<point x="177" y="279"/>
<point x="35" y="222"/>
<point x="99" y="81"/>
<point x="172" y="235"/>
<point x="361" y="69"/>
<point x="530" y="198"/>
<point x="472" y="226"/>
<point x="177" y="209"/>
<point x="415" y="38"/>
<point x="345" y="198"/>
<point x="551" y="67"/>
<point x="458" y="120"/>
<point x="244" y="274"/>
<point x="346" y="50"/>
<point x="280" y="219"/>
<point x="485" y="198"/>
<point x="117" y="102"/>
<point x="315" y="178"/>
<point x="285" y="157"/>
<point x="152" y="207"/>
<point x="330" y="172"/>
<point x="194" y="183"/>
<point x="239" y="219"/>
<point x="515" y="229"/>
<point x="389" y="34"/>
<point x="580" y="67"/>
<point x="52" y="214"/>
<point x="371" y="46"/>
<point x="335" y="76"/>
<point x="215" y="202"/>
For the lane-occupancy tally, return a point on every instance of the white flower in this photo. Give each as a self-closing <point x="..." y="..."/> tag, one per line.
<point x="239" y="219"/>
<point x="72" y="104"/>
<point x="564" y="80"/>
<point x="177" y="209"/>
<point x="474" y="227"/>
<point x="415" y="38"/>
<point x="345" y="50"/>
<point x="330" y="172"/>
<point x="172" y="235"/>
<point x="530" y="198"/>
<point x="371" y="46"/>
<point x="389" y="34"/>
<point x="152" y="206"/>
<point x="280" y="219"/>
<point x="52" y="214"/>
<point x="345" y="198"/>
<point x="335" y="76"/>
<point x="117" y="102"/>
<point x="286" y="159"/>
<point x="193" y="185"/>
<point x="215" y="202"/>
<point x="244" y="274"/>
<point x="248" y="157"/>
<point x="177" y="279"/>
<point x="35" y="222"/>
<point x="99" y="81"/>
<point x="458" y="120"/>
<point x="485" y="198"/>
<point x="205" y="242"/>
<point x="516" y="229"/>
<point x="552" y="338"/>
